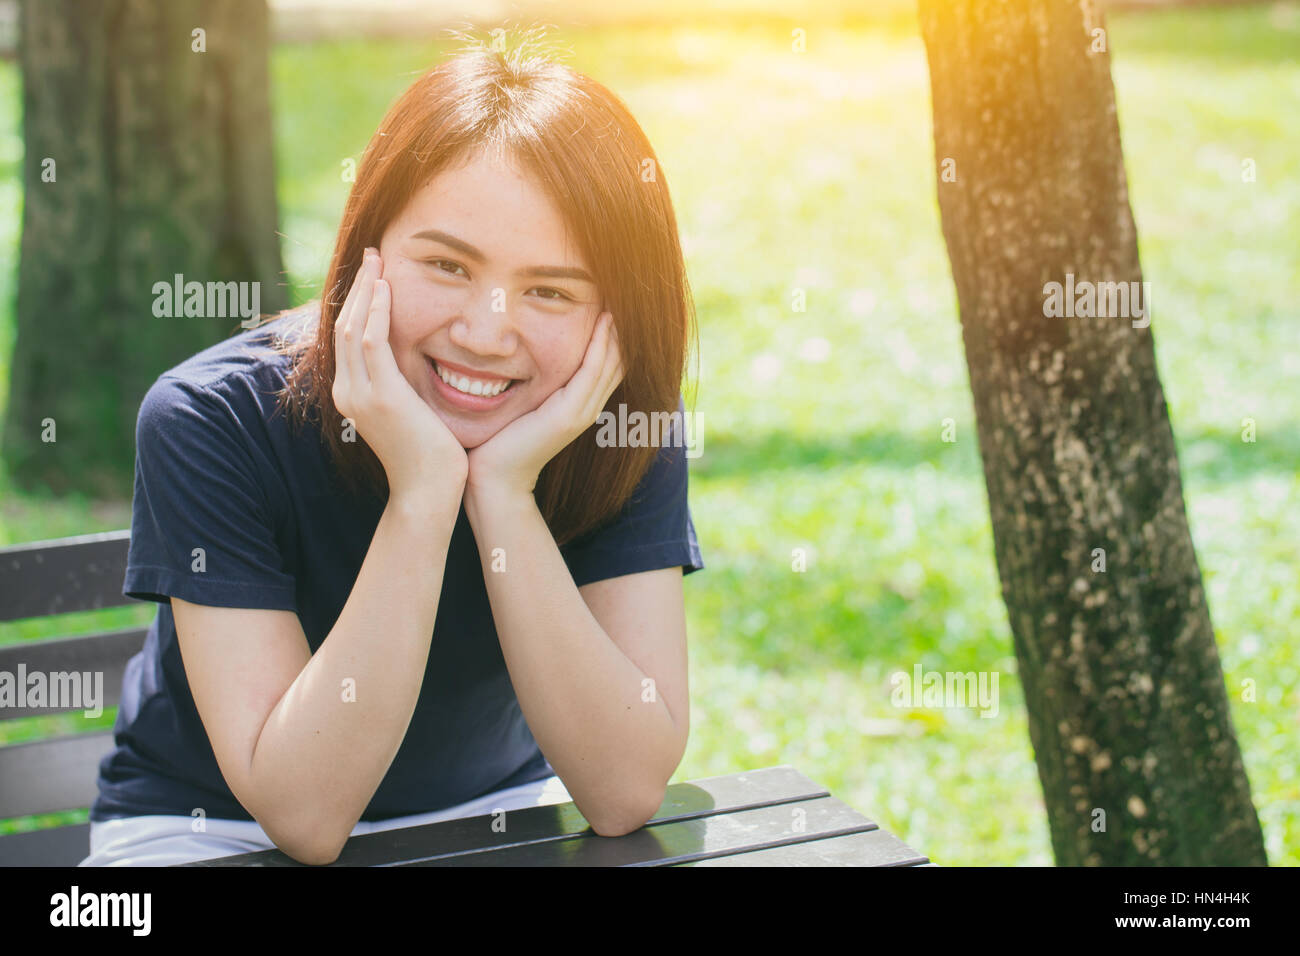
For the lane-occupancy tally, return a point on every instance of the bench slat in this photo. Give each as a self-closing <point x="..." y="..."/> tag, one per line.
<point x="682" y="841"/>
<point x="873" y="848"/>
<point x="64" y="575"/>
<point x="769" y="786"/>
<point x="50" y="775"/>
<point x="54" y="846"/>
<point x="107" y="653"/>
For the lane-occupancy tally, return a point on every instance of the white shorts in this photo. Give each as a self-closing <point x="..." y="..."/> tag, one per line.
<point x="161" y="840"/>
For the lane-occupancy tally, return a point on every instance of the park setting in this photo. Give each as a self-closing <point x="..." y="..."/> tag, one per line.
<point x="909" y="467"/>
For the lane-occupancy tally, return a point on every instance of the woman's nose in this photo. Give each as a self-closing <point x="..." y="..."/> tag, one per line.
<point x="486" y="325"/>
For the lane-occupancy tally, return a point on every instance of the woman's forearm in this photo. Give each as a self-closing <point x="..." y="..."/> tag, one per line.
<point x="329" y="741"/>
<point x="581" y="695"/>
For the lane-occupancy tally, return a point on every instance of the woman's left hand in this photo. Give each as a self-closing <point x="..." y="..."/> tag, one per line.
<point x="510" y="462"/>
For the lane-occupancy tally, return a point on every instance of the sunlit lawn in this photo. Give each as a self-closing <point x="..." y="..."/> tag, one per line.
<point x="813" y="171"/>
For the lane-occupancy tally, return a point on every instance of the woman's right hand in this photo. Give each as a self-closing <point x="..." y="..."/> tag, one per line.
<point x="423" y="460"/>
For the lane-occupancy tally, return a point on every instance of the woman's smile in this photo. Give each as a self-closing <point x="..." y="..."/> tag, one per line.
<point x="470" y="392"/>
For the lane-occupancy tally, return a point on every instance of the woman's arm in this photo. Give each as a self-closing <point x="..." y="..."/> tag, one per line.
<point x="304" y="740"/>
<point x="606" y="699"/>
<point x="614" y="739"/>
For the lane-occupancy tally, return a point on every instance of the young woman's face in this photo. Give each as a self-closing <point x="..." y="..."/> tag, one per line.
<point x="486" y="288"/>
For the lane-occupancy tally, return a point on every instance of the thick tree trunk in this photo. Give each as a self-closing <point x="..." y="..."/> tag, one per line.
<point x="1128" y="711"/>
<point x="146" y="158"/>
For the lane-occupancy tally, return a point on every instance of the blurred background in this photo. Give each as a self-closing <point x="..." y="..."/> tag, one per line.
<point x="814" y="170"/>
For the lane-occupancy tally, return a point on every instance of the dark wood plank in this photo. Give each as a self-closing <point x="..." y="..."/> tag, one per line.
<point x="54" y="846"/>
<point x="94" y="654"/>
<point x="48" y="775"/>
<point x="659" y="844"/>
<point x="770" y="786"/>
<point x="63" y="575"/>
<point x="873" y="848"/>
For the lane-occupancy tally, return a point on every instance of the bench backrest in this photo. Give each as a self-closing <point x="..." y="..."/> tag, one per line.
<point x="58" y="577"/>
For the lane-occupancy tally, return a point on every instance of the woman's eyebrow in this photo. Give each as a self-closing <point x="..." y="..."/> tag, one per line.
<point x="545" y="272"/>
<point x="556" y="272"/>
<point x="447" y="239"/>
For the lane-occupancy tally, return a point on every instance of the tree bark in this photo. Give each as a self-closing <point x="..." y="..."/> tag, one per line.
<point x="144" y="159"/>
<point x="1128" y="711"/>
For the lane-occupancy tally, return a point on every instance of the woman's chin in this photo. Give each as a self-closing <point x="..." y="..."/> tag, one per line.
<point x="470" y="436"/>
<point x="473" y="429"/>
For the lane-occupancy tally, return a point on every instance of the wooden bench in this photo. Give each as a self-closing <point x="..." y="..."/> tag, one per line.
<point x="769" y="817"/>
<point x="59" y="773"/>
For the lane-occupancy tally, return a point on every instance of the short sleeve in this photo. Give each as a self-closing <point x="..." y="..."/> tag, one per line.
<point x="201" y="526"/>
<point x="653" y="530"/>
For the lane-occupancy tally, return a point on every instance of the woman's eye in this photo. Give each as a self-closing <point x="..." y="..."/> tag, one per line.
<point x="553" y="295"/>
<point x="446" y="265"/>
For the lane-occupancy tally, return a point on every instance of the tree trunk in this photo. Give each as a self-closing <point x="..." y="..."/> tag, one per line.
<point x="146" y="157"/>
<point x="1128" y="712"/>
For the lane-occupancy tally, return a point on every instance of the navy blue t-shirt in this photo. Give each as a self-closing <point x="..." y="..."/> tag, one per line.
<point x="218" y="467"/>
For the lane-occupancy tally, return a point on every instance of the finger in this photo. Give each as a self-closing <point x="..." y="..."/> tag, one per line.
<point x="342" y="368"/>
<point x="611" y="374"/>
<point x="348" y="300"/>
<point x="593" y="365"/>
<point x="578" y="392"/>
<point x="614" y="359"/>
<point x="341" y="377"/>
<point x="609" y="368"/>
<point x="611" y="359"/>
<point x="357" y="325"/>
<point x="381" y="365"/>
<point x="349" y="303"/>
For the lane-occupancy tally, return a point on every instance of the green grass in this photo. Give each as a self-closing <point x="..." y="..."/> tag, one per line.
<point x="820" y="178"/>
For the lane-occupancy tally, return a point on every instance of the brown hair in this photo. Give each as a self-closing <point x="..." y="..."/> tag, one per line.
<point x="587" y="152"/>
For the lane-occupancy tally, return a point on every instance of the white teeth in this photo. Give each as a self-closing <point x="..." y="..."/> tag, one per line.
<point x="471" y="386"/>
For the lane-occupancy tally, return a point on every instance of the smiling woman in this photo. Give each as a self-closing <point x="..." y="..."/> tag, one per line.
<point x="476" y="606"/>
<point x="490" y="174"/>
